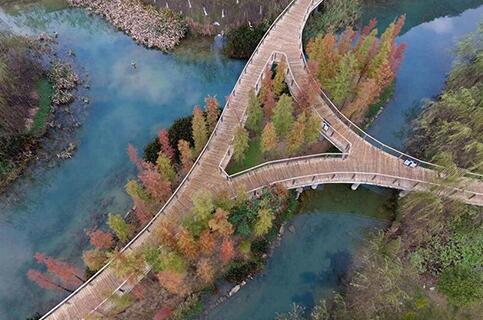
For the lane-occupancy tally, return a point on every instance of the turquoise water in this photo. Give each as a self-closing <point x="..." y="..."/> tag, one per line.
<point x="311" y="261"/>
<point x="127" y="106"/>
<point x="427" y="60"/>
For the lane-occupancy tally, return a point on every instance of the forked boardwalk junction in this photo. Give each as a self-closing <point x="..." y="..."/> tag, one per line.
<point x="362" y="159"/>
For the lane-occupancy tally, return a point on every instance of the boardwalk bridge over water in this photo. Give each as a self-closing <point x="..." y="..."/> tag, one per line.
<point x="362" y="160"/>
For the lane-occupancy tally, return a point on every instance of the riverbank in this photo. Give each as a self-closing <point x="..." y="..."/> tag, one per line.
<point x="29" y="121"/>
<point x="146" y="24"/>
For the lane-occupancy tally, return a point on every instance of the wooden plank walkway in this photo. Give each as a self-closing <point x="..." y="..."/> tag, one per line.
<point x="364" y="162"/>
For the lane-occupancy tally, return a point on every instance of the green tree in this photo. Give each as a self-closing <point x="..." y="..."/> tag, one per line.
<point x="200" y="134"/>
<point x="165" y="168"/>
<point x="312" y="128"/>
<point x="264" y="222"/>
<point x="340" y="87"/>
<point x="254" y="112"/>
<point x="269" y="138"/>
<point x="134" y="190"/>
<point x="240" y="144"/>
<point x="203" y="205"/>
<point x="279" y="85"/>
<point x="283" y="116"/>
<point x="296" y="138"/>
<point x="120" y="227"/>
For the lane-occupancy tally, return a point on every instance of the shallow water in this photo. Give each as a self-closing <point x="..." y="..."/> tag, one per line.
<point x="127" y="106"/>
<point x="310" y="262"/>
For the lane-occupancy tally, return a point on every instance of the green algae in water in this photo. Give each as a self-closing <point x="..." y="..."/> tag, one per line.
<point x="44" y="90"/>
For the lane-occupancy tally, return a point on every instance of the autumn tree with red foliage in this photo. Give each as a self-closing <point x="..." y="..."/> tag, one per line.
<point x="44" y="281"/>
<point x="165" y="145"/>
<point x="212" y="109"/>
<point x="100" y="239"/>
<point x="355" y="76"/>
<point x="60" y="274"/>
<point x="158" y="187"/>
<point x="227" y="250"/>
<point x="173" y="282"/>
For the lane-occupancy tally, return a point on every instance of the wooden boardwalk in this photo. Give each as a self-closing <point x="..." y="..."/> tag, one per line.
<point x="360" y="162"/>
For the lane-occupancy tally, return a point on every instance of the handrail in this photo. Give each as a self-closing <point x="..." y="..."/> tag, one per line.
<point x="376" y="143"/>
<point x="392" y="185"/>
<point x="181" y="185"/>
<point x="287" y="160"/>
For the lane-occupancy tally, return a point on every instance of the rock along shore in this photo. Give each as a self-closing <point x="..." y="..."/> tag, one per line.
<point x="147" y="25"/>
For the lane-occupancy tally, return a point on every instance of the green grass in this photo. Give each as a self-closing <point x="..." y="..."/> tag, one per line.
<point x="253" y="157"/>
<point x="44" y="89"/>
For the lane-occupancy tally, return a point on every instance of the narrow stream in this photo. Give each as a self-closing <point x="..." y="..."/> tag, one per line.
<point x="129" y="106"/>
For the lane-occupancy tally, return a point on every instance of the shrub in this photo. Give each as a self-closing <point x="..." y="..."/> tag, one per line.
<point x="242" y="41"/>
<point x="239" y="270"/>
<point x="462" y="286"/>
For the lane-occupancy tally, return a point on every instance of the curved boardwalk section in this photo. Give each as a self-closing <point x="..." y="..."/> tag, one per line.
<point x="360" y="162"/>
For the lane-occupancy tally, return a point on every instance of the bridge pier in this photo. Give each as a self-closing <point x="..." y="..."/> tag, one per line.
<point x="314" y="186"/>
<point x="299" y="192"/>
<point x="355" y="186"/>
<point x="403" y="193"/>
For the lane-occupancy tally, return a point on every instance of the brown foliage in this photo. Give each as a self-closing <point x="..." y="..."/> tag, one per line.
<point x="187" y="244"/>
<point x="173" y="282"/>
<point x="227" y="250"/>
<point x="207" y="242"/>
<point x="100" y="239"/>
<point x="165" y="145"/>
<point x="205" y="270"/>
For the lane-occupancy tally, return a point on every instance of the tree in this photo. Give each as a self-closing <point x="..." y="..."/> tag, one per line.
<point x="212" y="109"/>
<point x="312" y="128"/>
<point x="269" y="104"/>
<point x="227" y="250"/>
<point x="67" y="273"/>
<point x="254" y="112"/>
<point x="134" y="190"/>
<point x="94" y="259"/>
<point x="296" y="135"/>
<point x="128" y="264"/>
<point x="323" y="51"/>
<point x="158" y="187"/>
<point x="165" y="169"/>
<point x="279" y="85"/>
<point x="341" y="85"/>
<point x="367" y="93"/>
<point x="120" y="227"/>
<point x="198" y="124"/>
<point x="186" y="155"/>
<point x="45" y="281"/>
<point x="165" y="233"/>
<point x="166" y="147"/>
<point x="202" y="206"/>
<point x="173" y="282"/>
<point x="133" y="155"/>
<point x="264" y="222"/>
<point x="205" y="270"/>
<point x="240" y="144"/>
<point x="187" y="244"/>
<point x="220" y="223"/>
<point x="100" y="239"/>
<point x="207" y="242"/>
<point x="269" y="138"/>
<point x="283" y="116"/>
<point x="267" y="84"/>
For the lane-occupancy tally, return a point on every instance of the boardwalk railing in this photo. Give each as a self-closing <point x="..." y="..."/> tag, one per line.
<point x="364" y="135"/>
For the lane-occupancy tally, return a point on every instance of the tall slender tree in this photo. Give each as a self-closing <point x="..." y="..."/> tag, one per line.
<point x="200" y="135"/>
<point x="269" y="138"/>
<point x="283" y="116"/>
<point x="254" y="113"/>
<point x="212" y="109"/>
<point x="240" y="144"/>
<point x="186" y="155"/>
